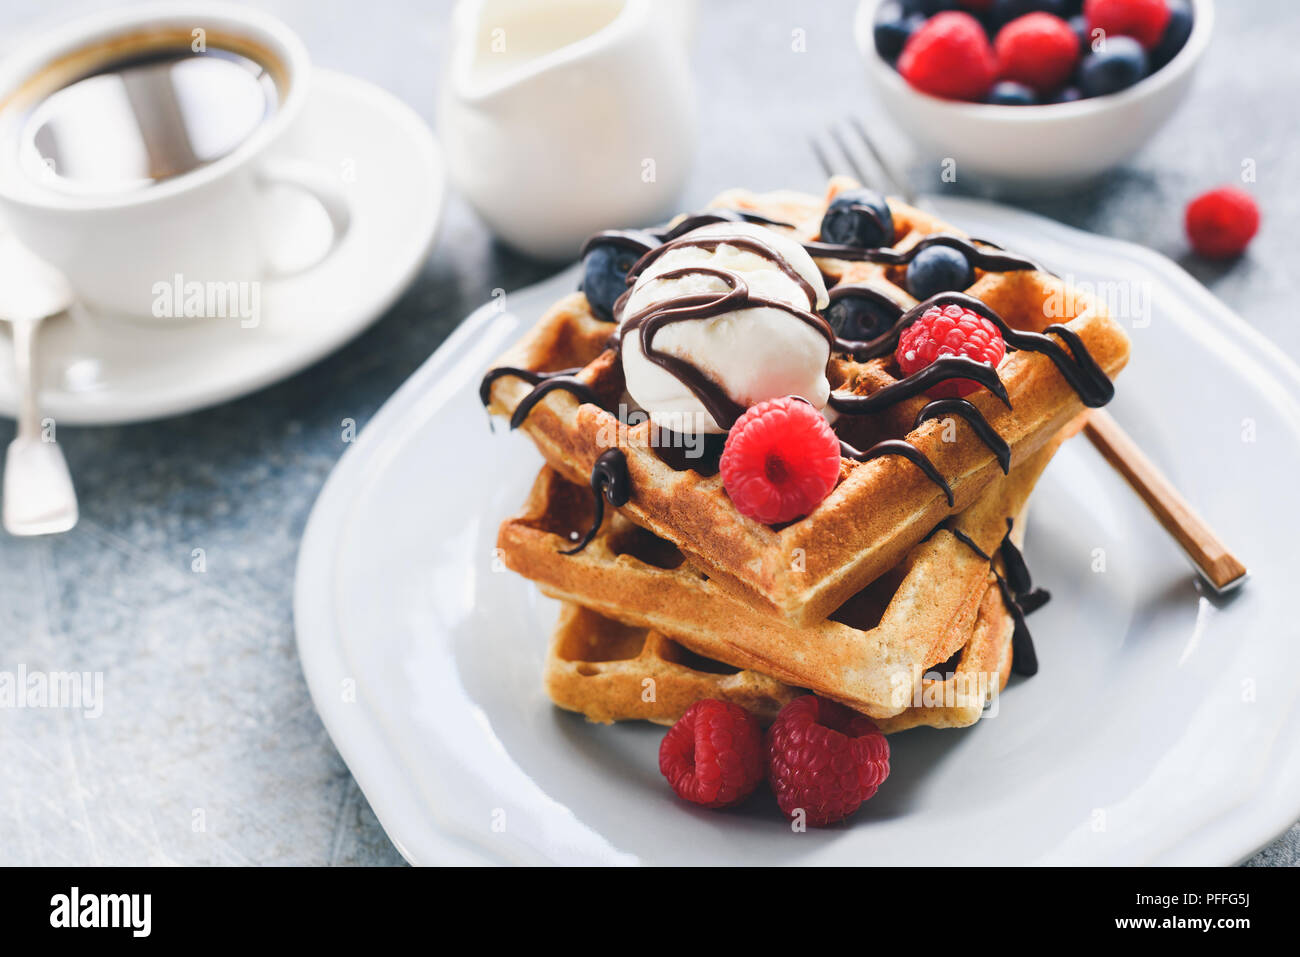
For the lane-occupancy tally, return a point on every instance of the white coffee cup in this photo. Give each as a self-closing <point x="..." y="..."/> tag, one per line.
<point x="118" y="249"/>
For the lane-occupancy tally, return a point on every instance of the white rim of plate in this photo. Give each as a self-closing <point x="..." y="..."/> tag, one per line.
<point x="360" y="739"/>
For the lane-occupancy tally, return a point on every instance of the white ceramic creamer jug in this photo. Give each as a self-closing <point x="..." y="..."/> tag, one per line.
<point x="564" y="117"/>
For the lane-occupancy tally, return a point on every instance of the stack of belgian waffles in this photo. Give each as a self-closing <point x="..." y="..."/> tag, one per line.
<point x="888" y="597"/>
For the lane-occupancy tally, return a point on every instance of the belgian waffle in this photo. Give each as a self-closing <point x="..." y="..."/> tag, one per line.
<point x="881" y="508"/>
<point x="609" y="671"/>
<point x="870" y="655"/>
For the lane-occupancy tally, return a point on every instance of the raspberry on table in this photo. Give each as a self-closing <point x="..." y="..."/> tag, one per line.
<point x="1143" y="20"/>
<point x="1038" y="50"/>
<point x="950" y="56"/>
<point x="824" y="759"/>
<point x="1222" y="222"/>
<point x="781" y="458"/>
<point x="713" y="755"/>
<point x="950" y="330"/>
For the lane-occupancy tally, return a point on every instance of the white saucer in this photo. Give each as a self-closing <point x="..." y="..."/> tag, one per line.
<point x="99" y="372"/>
<point x="1161" y="728"/>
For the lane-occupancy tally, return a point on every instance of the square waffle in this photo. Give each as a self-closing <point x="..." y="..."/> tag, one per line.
<point x="609" y="671"/>
<point x="880" y="509"/>
<point x="870" y="655"/>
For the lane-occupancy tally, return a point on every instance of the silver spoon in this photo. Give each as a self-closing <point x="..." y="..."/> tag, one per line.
<point x="38" y="495"/>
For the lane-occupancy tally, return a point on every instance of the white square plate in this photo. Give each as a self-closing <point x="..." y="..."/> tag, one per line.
<point x="1160" y="728"/>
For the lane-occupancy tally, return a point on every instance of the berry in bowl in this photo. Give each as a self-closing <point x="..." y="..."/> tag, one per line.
<point x="1029" y="93"/>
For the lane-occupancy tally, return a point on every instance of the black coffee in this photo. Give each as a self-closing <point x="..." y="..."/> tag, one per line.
<point x="145" y="119"/>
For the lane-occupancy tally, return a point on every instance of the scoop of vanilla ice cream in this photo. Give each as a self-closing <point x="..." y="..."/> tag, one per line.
<point x="754" y="354"/>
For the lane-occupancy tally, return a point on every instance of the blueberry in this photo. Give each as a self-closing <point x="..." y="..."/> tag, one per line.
<point x="859" y="217"/>
<point x="893" y="29"/>
<point x="1079" y="25"/>
<point x="1004" y="11"/>
<point x="1067" y="95"/>
<point x="938" y="269"/>
<point x="860" y="317"/>
<point x="1007" y="93"/>
<point x="928" y="8"/>
<point x="604" y="273"/>
<point x="1120" y="64"/>
<point x="1175" y="35"/>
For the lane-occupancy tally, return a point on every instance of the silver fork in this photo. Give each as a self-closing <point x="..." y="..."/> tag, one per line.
<point x="1216" y="565"/>
<point x="849" y="138"/>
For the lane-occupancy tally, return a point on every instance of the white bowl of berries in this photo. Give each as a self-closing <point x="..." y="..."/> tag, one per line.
<point x="1032" y="93"/>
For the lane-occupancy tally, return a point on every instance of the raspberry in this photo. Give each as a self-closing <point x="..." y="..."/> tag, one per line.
<point x="713" y="755"/>
<point x="950" y="57"/>
<point x="949" y="331"/>
<point x="780" y="460"/>
<point x="824" y="759"/>
<point x="1221" y="222"/>
<point x="1038" y="50"/>
<point x="1143" y="20"/>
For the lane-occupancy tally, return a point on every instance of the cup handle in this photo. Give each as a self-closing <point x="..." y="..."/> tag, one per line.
<point x="320" y="186"/>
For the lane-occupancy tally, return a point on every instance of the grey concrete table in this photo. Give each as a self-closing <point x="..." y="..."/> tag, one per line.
<point x="208" y="750"/>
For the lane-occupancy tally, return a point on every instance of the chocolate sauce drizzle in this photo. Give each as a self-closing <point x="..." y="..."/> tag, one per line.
<point x="649" y="321"/>
<point x="609" y="475"/>
<point x="940" y="370"/>
<point x="1029" y="598"/>
<point x="975" y="419"/>
<point x="907" y="450"/>
<point x="636" y="240"/>
<point x="961" y="537"/>
<point x="1077" y="366"/>
<point x="1018" y="594"/>
<point x="749" y="243"/>
<point x="609" y="482"/>
<point x="542" y="382"/>
<point x="709" y="217"/>
<point x="642" y="241"/>
<point x="986" y="256"/>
